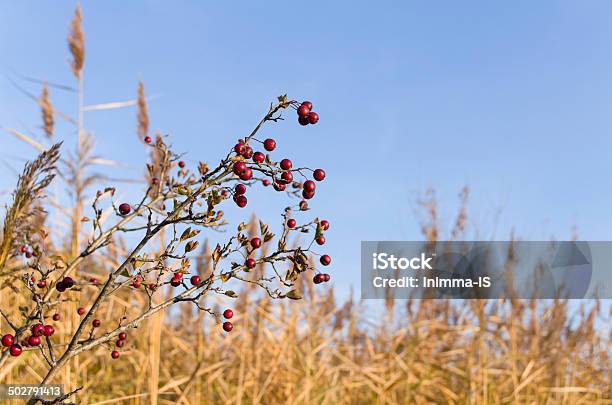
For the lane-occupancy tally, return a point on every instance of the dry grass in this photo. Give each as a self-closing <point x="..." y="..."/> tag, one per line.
<point x="321" y="351"/>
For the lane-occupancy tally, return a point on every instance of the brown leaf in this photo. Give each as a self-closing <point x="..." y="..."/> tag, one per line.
<point x="191" y="246"/>
<point x="216" y="255"/>
<point x="294" y="295"/>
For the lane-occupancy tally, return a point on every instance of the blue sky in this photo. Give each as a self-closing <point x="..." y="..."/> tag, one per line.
<point x="512" y="99"/>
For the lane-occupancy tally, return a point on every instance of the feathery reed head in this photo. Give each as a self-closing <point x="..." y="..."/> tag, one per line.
<point x="47" y="111"/>
<point x="76" y="43"/>
<point x="143" y="114"/>
<point x="35" y="178"/>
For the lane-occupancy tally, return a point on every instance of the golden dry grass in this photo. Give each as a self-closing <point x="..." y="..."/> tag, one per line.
<point x="322" y="351"/>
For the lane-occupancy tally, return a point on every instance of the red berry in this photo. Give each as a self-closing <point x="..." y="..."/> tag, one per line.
<point x="56" y="317"/>
<point x="24" y="249"/>
<point x="255" y="243"/>
<point x="319" y="174"/>
<point x="16" y="350"/>
<point x="147" y="139"/>
<point x="325" y="260"/>
<point x="258" y="157"/>
<point x="307" y="104"/>
<point x="303" y="120"/>
<point x="285" y="164"/>
<point x="318" y="278"/>
<point x="248" y="152"/>
<point x="269" y="144"/>
<point x="228" y="313"/>
<point x="42" y="284"/>
<point x="48" y="330"/>
<point x="241" y="201"/>
<point x="240" y="148"/>
<point x="250" y="263"/>
<point x="240" y="189"/>
<point x="227" y="326"/>
<point x="291" y="223"/>
<point x="195" y="280"/>
<point x="34" y="340"/>
<point x="93" y="281"/>
<point x="8" y="340"/>
<point x="125" y="209"/>
<point x="324" y="225"/>
<point x="309" y="186"/>
<point x="266" y="182"/>
<point x="278" y="186"/>
<point x="303" y="110"/>
<point x="68" y="282"/>
<point x="37" y="329"/>
<point x="181" y="164"/>
<point x="313" y="117"/>
<point x="246" y="174"/>
<point x="326" y="277"/>
<point x="120" y="343"/>
<point x="308" y="194"/>
<point x="96" y="323"/>
<point x="176" y="279"/>
<point x="115" y="354"/>
<point x="320" y="240"/>
<point x="239" y="167"/>
<point x="28" y="255"/>
<point x="81" y="311"/>
<point x="122" y="335"/>
<point x="287" y="177"/>
<point x="136" y="284"/>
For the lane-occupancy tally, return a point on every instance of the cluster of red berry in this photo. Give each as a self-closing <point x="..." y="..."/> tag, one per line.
<point x="64" y="284"/>
<point x="119" y="343"/>
<point x="28" y="253"/>
<point x="176" y="280"/>
<point x="306" y="115"/>
<point x="33" y="340"/>
<point x="325" y="260"/>
<point x="227" y="325"/>
<point x="245" y="173"/>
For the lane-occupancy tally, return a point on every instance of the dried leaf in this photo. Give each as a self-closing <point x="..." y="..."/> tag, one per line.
<point x="294" y="295"/>
<point x="216" y="255"/>
<point x="191" y="246"/>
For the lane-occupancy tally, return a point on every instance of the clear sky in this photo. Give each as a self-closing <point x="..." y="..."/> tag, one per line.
<point x="510" y="98"/>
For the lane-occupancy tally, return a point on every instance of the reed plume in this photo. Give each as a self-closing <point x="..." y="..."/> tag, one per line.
<point x="143" y="114"/>
<point x="47" y="111"/>
<point x="32" y="182"/>
<point x="76" y="43"/>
